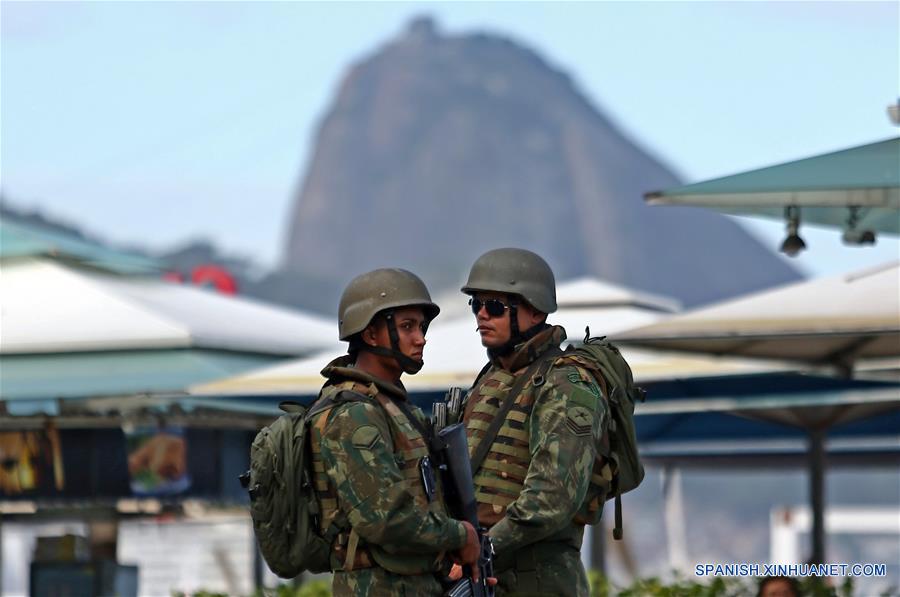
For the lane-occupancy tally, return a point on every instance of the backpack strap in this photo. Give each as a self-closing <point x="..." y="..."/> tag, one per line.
<point x="617" y="529"/>
<point x="352" y="545"/>
<point x="320" y="406"/>
<point x="323" y="404"/>
<point x="613" y="458"/>
<point x="290" y="407"/>
<point x="426" y="433"/>
<point x="537" y="371"/>
<point x="403" y="405"/>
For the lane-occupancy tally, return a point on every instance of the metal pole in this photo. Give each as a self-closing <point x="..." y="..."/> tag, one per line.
<point x="257" y="567"/>
<point x="817" y="493"/>
<point x="598" y="546"/>
<point x="596" y="541"/>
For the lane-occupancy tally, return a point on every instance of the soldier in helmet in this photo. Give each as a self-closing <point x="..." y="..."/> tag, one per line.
<point x="369" y="446"/>
<point x="532" y="480"/>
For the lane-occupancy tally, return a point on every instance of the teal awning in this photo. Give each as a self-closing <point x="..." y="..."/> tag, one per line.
<point x="36" y="382"/>
<point x="824" y="186"/>
<point x="20" y="239"/>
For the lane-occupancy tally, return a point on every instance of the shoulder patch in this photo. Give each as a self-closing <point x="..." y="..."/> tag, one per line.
<point x="579" y="420"/>
<point x="578" y="376"/>
<point x="366" y="437"/>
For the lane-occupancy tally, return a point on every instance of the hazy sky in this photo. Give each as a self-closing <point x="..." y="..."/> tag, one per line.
<point x="154" y="123"/>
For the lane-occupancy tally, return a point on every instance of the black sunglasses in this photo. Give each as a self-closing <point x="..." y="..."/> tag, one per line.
<point x="494" y="307"/>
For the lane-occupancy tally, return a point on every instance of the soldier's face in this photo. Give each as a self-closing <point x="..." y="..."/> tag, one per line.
<point x="411" y="326"/>
<point x="495" y="331"/>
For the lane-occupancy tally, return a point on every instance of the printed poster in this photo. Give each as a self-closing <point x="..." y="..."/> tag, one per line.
<point x="157" y="461"/>
<point x="31" y="462"/>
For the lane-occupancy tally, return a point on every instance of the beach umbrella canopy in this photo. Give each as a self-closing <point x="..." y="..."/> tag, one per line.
<point x="454" y="355"/>
<point x="824" y="187"/>
<point x="835" y="320"/>
<point x="52" y="307"/>
<point x="69" y="331"/>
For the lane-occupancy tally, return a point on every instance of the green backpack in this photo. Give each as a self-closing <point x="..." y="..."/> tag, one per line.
<point x="283" y="502"/>
<point x="604" y="361"/>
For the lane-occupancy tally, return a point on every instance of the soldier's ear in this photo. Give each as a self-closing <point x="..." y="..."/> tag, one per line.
<point x="534" y="316"/>
<point x="370" y="334"/>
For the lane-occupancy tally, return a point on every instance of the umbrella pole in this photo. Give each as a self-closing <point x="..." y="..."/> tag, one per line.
<point x="598" y="534"/>
<point x="257" y="567"/>
<point x="817" y="493"/>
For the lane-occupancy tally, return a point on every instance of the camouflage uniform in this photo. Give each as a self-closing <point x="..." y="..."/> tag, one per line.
<point x="365" y="458"/>
<point x="534" y="488"/>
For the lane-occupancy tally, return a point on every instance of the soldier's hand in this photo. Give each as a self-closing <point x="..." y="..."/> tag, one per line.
<point x="456" y="573"/>
<point x="471" y="550"/>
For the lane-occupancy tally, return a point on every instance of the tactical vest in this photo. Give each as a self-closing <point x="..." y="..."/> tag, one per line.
<point x="409" y="448"/>
<point x="501" y="477"/>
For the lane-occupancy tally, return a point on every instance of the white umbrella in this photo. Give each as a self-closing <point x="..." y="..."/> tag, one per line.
<point x="857" y="188"/>
<point x="72" y="332"/>
<point x="454" y="355"/>
<point x="832" y="321"/>
<point x="51" y="307"/>
<point x="836" y="320"/>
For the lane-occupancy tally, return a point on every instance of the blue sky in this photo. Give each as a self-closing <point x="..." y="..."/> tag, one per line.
<point x="155" y="123"/>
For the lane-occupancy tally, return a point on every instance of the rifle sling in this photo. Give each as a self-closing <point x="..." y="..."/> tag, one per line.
<point x="540" y="366"/>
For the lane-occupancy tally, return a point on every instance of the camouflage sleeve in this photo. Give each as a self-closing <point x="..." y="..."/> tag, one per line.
<point x="564" y="430"/>
<point x="357" y="453"/>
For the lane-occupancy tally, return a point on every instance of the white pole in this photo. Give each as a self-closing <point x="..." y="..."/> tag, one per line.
<point x="676" y="536"/>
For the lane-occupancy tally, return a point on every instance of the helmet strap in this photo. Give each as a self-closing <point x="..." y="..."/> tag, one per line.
<point x="513" y="320"/>
<point x="510" y="345"/>
<point x="407" y="364"/>
<point x="516" y="336"/>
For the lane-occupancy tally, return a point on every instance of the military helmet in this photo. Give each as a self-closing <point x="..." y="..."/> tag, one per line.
<point x="379" y="290"/>
<point x="514" y="271"/>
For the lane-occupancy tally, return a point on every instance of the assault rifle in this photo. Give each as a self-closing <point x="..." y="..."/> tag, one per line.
<point x="452" y="452"/>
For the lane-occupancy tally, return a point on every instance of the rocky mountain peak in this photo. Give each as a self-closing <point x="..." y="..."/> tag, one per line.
<point x="439" y="147"/>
